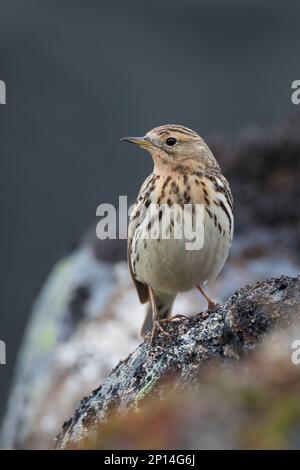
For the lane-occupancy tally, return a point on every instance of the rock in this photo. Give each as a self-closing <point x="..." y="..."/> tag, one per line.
<point x="263" y="167"/>
<point x="222" y="336"/>
<point x="73" y="340"/>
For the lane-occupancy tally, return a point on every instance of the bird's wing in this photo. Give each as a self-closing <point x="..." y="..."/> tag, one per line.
<point x="141" y="288"/>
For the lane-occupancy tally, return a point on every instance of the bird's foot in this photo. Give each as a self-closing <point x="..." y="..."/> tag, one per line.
<point x="211" y="305"/>
<point x="174" y="318"/>
<point x="157" y="327"/>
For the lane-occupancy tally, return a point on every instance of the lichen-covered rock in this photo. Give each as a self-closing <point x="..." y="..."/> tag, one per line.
<point x="220" y="336"/>
<point x="252" y="403"/>
<point x="74" y="338"/>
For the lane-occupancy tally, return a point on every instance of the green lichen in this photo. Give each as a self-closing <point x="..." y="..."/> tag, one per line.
<point x="47" y="339"/>
<point x="150" y="382"/>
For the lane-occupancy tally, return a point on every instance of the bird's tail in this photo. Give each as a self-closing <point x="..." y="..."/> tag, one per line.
<point x="164" y="304"/>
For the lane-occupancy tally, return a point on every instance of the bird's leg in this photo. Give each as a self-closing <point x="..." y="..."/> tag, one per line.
<point x="155" y="318"/>
<point x="211" y="303"/>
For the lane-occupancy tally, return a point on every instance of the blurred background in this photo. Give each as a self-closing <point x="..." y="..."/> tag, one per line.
<point x="82" y="74"/>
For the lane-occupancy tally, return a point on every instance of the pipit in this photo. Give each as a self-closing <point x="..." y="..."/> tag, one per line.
<point x="185" y="173"/>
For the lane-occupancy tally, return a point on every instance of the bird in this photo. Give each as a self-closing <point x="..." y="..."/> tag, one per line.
<point x="185" y="172"/>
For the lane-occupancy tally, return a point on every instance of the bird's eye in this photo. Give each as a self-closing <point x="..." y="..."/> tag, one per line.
<point x="171" y="141"/>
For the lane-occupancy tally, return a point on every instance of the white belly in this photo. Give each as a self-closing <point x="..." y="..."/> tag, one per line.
<point x="167" y="266"/>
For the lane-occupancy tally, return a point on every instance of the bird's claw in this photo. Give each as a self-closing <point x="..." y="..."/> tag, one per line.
<point x="157" y="326"/>
<point x="174" y="318"/>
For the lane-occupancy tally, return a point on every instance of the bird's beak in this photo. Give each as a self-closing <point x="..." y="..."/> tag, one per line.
<point x="140" y="141"/>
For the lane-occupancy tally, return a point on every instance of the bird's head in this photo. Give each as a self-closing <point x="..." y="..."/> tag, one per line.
<point x="173" y="146"/>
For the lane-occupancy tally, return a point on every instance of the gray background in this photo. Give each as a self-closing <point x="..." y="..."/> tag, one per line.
<point x="82" y="74"/>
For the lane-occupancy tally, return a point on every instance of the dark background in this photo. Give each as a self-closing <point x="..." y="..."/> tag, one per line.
<point x="82" y="74"/>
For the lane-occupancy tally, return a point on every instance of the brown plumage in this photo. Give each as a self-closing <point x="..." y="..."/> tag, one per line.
<point x="185" y="173"/>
